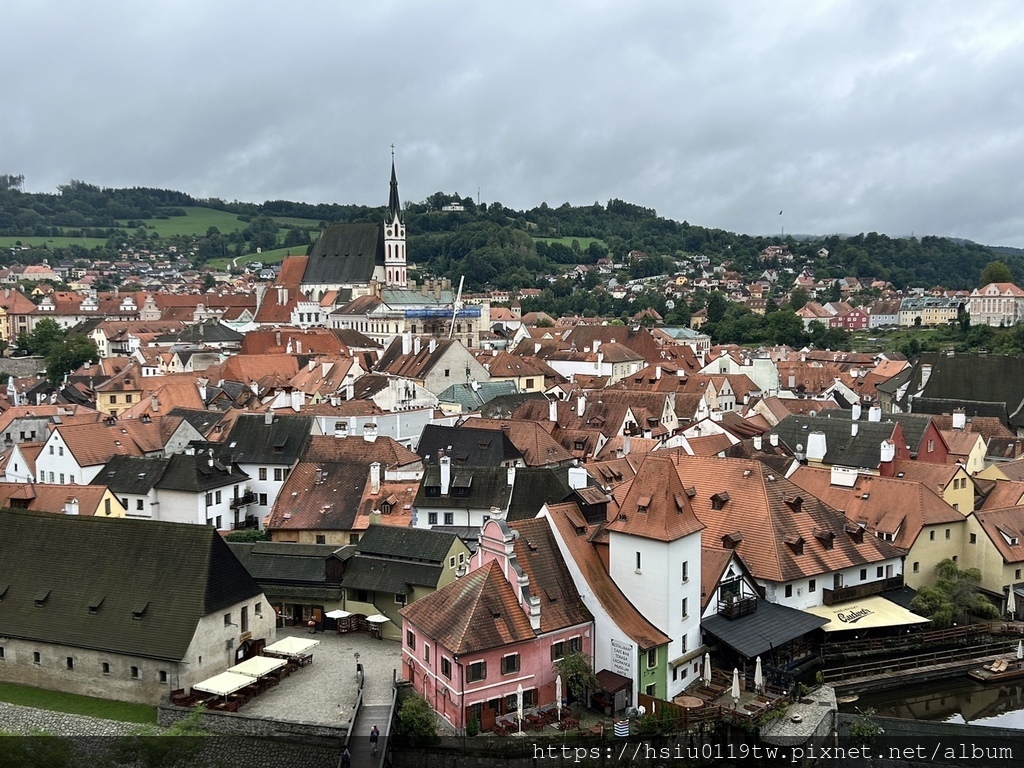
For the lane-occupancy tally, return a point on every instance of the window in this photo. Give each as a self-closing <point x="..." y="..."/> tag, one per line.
<point x="789" y="590"/>
<point x="651" y="690"/>
<point x="258" y="610"/>
<point x="426" y="653"/>
<point x="105" y="666"/>
<point x="575" y="644"/>
<point x="1016" y="574"/>
<point x="451" y="561"/>
<point x="410" y="639"/>
<point x="931" y="535"/>
<point x="113" y="399"/>
<point x="135" y="673"/>
<point x="278" y="474"/>
<point x="446" y="668"/>
<point x="917" y="567"/>
<point x="263" y="499"/>
<point x="878" y="572"/>
<point x="462" y="557"/>
<point x="449" y="518"/>
<point x="812" y="585"/>
<point x="1" y="652"/>
<point x="216" y="497"/>
<point x="684" y="611"/>
<point x="863" y="574"/>
<point x="71" y="662"/>
<point x="209" y="499"/>
<point x="638" y="562"/>
<point x="931" y="446"/>
<point x="353" y="538"/>
<point x="51" y="450"/>
<point x="947" y="534"/>
<point x="60" y="450"/>
<point x="558" y="650"/>
<point x="227" y="619"/>
<point x="321" y="538"/>
<point x="399" y="599"/>
<point x="62" y="478"/>
<point x="139" y="505"/>
<point x="263" y="473"/>
<point x="682" y="648"/>
<point x="476" y="672"/>
<point x="686" y="571"/>
<point x="244" y="620"/>
<point x="447" y="372"/>
<point x="837" y="581"/>
<point x="127" y="398"/>
<point x="652" y="658"/>
<point x="106" y="506"/>
<point x="36" y="658"/>
<point x="162" y="676"/>
<point x="432" y="518"/>
<point x="510" y="664"/>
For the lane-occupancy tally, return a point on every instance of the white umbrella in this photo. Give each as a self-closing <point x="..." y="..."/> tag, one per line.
<point x="1011" y="602"/>
<point x="1020" y="650"/>
<point x="337" y="614"/>
<point x="377" y="618"/>
<point x="735" y="687"/>
<point x="707" y="669"/>
<point x="519" y="706"/>
<point x="758" y="676"/>
<point x="558" y="696"/>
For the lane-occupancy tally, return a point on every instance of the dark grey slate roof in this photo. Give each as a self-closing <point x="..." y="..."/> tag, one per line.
<point x="468" y="447"/>
<point x="841" y="448"/>
<point x="253" y="442"/>
<point x="131" y="474"/>
<point x="345" y="253"/>
<point x="270" y="562"/>
<point x="385" y="575"/>
<point x="484" y="487"/>
<point x="914" y="424"/>
<point x="534" y="487"/>
<point x="198" y="473"/>
<point x="471" y="397"/>
<point x="406" y="543"/>
<point x="210" y="331"/>
<point x="767" y="628"/>
<point x="202" y="421"/>
<point x="503" y="406"/>
<point x="174" y="573"/>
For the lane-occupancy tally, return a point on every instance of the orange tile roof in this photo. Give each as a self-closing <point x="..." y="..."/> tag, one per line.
<point x="93" y="444"/>
<point x="1003" y="493"/>
<point x="531" y="439"/>
<point x="52" y="498"/>
<point x="1002" y="524"/>
<point x="655" y="504"/>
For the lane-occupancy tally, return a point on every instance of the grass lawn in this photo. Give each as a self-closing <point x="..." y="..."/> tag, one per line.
<point x="291" y="221"/>
<point x="53" y="242"/>
<point x="56" y="701"/>
<point x="195" y="222"/>
<point x="266" y="258"/>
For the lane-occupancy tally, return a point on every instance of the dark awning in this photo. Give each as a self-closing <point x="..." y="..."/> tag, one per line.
<point x="757" y="633"/>
<point x="612" y="682"/>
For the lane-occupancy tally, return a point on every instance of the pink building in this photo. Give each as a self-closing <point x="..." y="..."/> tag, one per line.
<point x="854" y="320"/>
<point x="467" y="647"/>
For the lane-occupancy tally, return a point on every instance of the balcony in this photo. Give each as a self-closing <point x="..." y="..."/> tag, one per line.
<point x="249" y="523"/>
<point x="733" y="609"/>
<point x="244" y="500"/>
<point x="845" y="594"/>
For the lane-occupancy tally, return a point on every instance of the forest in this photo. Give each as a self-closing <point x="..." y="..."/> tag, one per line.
<point x="495" y="246"/>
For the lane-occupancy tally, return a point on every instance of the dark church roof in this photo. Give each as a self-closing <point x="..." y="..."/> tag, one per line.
<point x="345" y="253"/>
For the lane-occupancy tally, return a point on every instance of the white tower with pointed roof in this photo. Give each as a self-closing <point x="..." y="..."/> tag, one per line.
<point x="394" y="236"/>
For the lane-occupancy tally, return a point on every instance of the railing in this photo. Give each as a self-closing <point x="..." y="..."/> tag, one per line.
<point x="245" y="499"/>
<point x="250" y="522"/>
<point x="736" y="608"/>
<point x="843" y="594"/>
<point x="888" y="666"/>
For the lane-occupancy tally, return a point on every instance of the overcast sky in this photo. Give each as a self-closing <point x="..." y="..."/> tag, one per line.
<point x="892" y="116"/>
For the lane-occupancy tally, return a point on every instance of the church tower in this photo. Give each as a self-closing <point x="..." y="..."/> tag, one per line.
<point x="394" y="236"/>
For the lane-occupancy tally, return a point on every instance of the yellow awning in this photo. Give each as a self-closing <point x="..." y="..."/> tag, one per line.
<point x="866" y="613"/>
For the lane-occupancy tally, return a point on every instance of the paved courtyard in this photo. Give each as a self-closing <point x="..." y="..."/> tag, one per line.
<point x="325" y="691"/>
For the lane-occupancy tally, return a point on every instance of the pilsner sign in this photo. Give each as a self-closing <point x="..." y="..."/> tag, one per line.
<point x="622" y="659"/>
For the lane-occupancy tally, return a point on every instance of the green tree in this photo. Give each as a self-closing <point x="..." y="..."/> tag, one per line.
<point x="996" y="272"/>
<point x="954" y="597"/>
<point x="416" y="725"/>
<point x="68" y="356"/>
<point x="44" y="336"/>
<point x="717" y="305"/>
<point x="798" y="298"/>
<point x="577" y="674"/>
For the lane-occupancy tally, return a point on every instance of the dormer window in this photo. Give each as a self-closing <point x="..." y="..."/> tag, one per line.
<point x="719" y="500"/>
<point x="41" y="598"/>
<point x="827" y="538"/>
<point x="139" y="611"/>
<point x="94" y="605"/>
<point x="795" y="543"/>
<point x="643" y="503"/>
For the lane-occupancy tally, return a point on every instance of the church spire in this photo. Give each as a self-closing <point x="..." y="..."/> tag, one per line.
<point x="394" y="204"/>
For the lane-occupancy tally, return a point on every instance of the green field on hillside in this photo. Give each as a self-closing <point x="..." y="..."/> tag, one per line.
<point x="266" y="258"/>
<point x="53" y="242"/>
<point x="291" y="221"/>
<point x="195" y="222"/>
<point x="567" y="241"/>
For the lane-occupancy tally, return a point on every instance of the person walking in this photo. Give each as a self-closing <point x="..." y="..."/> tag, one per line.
<point x="346" y="759"/>
<point x="374" y="736"/>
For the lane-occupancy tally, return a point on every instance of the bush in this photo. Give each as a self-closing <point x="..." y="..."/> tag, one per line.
<point x="416" y="725"/>
<point x="472" y="727"/>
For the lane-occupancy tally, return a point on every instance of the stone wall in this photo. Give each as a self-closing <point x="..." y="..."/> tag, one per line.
<point x="240" y="724"/>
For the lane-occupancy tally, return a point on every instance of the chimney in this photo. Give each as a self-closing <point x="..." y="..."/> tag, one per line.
<point x="657" y="372"/>
<point x="511" y="476"/>
<point x="71" y="506"/>
<point x="875" y="412"/>
<point x="277" y="338"/>
<point x="597" y="344"/>
<point x="416" y="345"/>
<point x="406" y="343"/>
<point x="298" y="346"/>
<point x="816" y="446"/>
<point x="535" y="613"/>
<point x="298" y="398"/>
<point x="268" y="417"/>
<point x="581" y="404"/>
<point x="926" y="373"/>
<point x="792" y="381"/>
<point x="536" y="347"/>
<point x="888" y="451"/>
<point x="773" y="439"/>
<point x="154" y="403"/>
<point x="202" y="390"/>
<point x="209" y="460"/>
<point x="474" y="385"/>
<point x="446" y="474"/>
<point x="959" y="418"/>
<point x="627" y="444"/>
<point x="432" y="346"/>
<point x="855" y="410"/>
<point x="375" y="478"/>
<point x="437" y="291"/>
<point x="553" y="411"/>
<point x="370" y="432"/>
<point x="854" y="426"/>
<point x="757" y="442"/>
<point x="577" y="478"/>
<point x="350" y="390"/>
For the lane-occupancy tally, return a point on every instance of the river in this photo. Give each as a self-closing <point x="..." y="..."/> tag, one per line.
<point x="953" y="701"/>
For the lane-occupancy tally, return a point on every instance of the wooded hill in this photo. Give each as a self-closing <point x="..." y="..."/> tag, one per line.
<point x="493" y="246"/>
